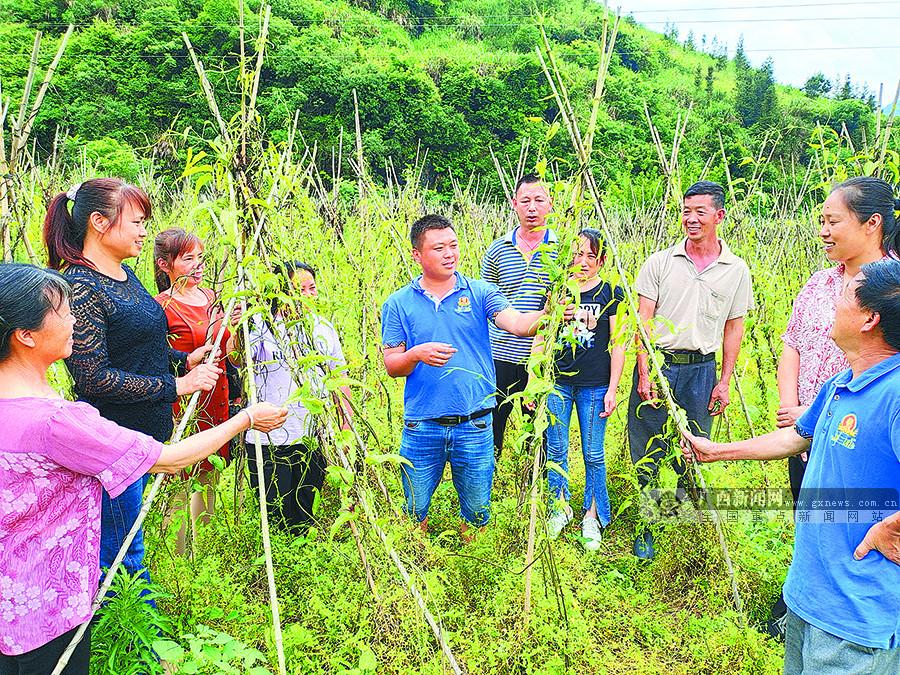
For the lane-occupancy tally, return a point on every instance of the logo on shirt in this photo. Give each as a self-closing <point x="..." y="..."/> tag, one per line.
<point x="846" y="432"/>
<point x="463" y="304"/>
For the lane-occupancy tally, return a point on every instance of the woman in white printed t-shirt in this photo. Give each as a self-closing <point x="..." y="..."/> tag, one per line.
<point x="293" y="464"/>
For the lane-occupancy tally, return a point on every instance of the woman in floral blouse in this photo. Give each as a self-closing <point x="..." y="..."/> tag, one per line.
<point x="858" y="226"/>
<point x="55" y="456"/>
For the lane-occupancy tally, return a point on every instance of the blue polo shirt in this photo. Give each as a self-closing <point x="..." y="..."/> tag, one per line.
<point x="467" y="382"/>
<point x="855" y="429"/>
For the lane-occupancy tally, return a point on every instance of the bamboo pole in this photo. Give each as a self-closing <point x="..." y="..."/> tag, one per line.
<point x="678" y="415"/>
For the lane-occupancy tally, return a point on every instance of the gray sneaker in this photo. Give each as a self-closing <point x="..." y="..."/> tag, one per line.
<point x="591" y="533"/>
<point x="558" y="519"/>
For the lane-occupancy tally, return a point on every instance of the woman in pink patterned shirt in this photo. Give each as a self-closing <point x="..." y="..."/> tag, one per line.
<point x="54" y="457"/>
<point x="858" y="226"/>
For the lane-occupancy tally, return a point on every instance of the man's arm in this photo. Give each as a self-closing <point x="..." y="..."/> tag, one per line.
<point x="523" y="324"/>
<point x="777" y="444"/>
<point x="400" y="361"/>
<point x="646" y="387"/>
<point x="731" y="347"/>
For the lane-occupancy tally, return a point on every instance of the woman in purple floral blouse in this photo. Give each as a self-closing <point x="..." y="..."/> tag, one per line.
<point x="54" y="457"/>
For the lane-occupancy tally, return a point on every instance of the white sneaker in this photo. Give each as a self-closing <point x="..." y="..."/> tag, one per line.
<point x="592" y="533"/>
<point x="558" y="519"/>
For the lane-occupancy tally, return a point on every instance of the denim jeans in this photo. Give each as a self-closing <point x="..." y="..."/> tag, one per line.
<point x="692" y="386"/>
<point x="469" y="447"/>
<point x="812" y="651"/>
<point x="116" y="518"/>
<point x="588" y="401"/>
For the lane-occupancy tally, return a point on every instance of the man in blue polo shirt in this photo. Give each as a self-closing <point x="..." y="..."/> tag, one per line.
<point x="843" y="587"/>
<point x="435" y="334"/>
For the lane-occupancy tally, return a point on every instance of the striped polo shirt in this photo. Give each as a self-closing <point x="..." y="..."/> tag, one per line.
<point x="523" y="281"/>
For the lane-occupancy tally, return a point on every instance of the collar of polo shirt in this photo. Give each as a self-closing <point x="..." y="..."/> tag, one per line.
<point x="549" y="236"/>
<point x="726" y="257"/>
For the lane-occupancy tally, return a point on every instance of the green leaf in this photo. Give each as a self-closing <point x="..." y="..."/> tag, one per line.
<point x="367" y="661"/>
<point x="168" y="650"/>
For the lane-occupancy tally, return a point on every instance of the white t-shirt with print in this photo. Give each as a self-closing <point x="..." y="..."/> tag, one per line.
<point x="274" y="381"/>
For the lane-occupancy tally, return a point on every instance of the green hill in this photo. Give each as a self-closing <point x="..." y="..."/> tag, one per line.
<point x="453" y="77"/>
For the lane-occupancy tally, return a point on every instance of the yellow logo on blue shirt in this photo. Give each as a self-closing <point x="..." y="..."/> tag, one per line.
<point x="846" y="432"/>
<point x="463" y="304"/>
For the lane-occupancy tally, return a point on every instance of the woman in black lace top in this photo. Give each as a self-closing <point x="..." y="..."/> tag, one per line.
<point x="121" y="362"/>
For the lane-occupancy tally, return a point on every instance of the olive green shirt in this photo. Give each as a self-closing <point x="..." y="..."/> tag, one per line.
<point x="692" y="307"/>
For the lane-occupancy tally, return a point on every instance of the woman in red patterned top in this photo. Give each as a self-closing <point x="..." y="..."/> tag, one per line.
<point x="858" y="226"/>
<point x="194" y="316"/>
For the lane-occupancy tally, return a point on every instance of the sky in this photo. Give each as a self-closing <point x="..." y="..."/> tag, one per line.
<point x="858" y="37"/>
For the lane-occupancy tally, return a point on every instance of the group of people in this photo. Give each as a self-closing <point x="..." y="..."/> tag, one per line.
<point x="72" y="474"/>
<point x="463" y="345"/>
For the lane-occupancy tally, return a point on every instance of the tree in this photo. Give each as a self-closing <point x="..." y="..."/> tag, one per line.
<point x="756" y="100"/>
<point x="817" y="85"/>
<point x="741" y="63"/>
<point x="689" y="41"/>
<point x="710" y="76"/>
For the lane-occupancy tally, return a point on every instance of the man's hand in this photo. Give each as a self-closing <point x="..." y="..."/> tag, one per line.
<point x="720" y="399"/>
<point x="434" y="353"/>
<point x="646" y="388"/>
<point x="788" y="416"/>
<point x="196" y="357"/>
<point x="609" y="404"/>
<point x="883" y="537"/>
<point x="695" y="448"/>
<point x="569" y="312"/>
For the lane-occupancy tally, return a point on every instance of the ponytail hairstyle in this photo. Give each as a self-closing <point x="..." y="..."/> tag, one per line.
<point x="168" y="245"/>
<point x="68" y="216"/>
<point x="865" y="196"/>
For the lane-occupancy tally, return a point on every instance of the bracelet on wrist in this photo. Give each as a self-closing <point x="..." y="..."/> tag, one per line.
<point x="250" y="417"/>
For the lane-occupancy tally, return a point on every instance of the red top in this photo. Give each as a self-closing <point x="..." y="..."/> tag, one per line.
<point x="189" y="326"/>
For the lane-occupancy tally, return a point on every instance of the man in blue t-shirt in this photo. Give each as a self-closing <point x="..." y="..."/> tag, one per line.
<point x="435" y="334"/>
<point x="843" y="587"/>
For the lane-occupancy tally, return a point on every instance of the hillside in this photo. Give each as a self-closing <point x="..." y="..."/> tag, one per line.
<point x="452" y="78"/>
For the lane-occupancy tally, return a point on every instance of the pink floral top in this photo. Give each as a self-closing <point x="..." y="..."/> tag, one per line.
<point x="809" y="332"/>
<point x="54" y="457"/>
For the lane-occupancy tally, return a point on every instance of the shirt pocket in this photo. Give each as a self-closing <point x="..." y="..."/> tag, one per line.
<point x="712" y="305"/>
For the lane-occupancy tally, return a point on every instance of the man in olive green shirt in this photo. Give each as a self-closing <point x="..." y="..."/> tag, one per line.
<point x="693" y="298"/>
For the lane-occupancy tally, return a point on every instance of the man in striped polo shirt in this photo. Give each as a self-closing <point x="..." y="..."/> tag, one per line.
<point x="514" y="264"/>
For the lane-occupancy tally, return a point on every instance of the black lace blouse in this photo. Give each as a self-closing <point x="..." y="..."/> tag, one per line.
<point x="121" y="360"/>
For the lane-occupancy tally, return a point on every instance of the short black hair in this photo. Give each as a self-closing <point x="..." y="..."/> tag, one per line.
<point x="708" y="187"/>
<point x="595" y="239"/>
<point x="527" y="179"/>
<point x="431" y="221"/>
<point x="879" y="291"/>
<point x="27" y="294"/>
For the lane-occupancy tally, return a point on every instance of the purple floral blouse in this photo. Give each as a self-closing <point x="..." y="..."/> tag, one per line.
<point x="54" y="457"/>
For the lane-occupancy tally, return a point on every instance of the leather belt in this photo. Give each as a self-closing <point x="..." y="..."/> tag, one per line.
<point x="453" y="420"/>
<point x="686" y="358"/>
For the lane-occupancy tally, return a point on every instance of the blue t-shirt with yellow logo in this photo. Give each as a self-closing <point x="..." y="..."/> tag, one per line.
<point x="854" y="466"/>
<point x="467" y="383"/>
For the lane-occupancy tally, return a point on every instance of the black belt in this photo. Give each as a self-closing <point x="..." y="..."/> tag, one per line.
<point x="686" y="358"/>
<point x="453" y="420"/>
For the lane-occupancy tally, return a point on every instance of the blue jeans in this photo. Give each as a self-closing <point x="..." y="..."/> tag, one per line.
<point x="589" y="403"/>
<point x="469" y="447"/>
<point x="116" y="518"/>
<point x="812" y="651"/>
